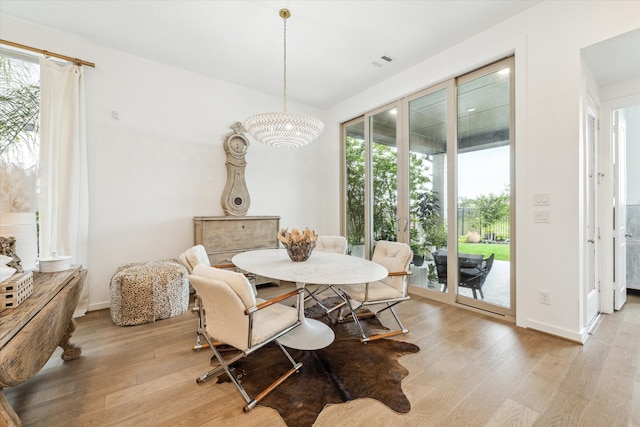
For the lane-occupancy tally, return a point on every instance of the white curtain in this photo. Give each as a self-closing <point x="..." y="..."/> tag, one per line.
<point x="63" y="204"/>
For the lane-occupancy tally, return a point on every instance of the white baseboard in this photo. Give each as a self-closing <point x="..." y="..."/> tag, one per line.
<point x="99" y="306"/>
<point x="576" y="337"/>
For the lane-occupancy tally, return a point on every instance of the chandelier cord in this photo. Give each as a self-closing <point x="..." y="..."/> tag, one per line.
<point x="284" y="84"/>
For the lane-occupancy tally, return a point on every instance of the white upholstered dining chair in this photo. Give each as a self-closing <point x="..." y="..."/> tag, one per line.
<point x="191" y="258"/>
<point x="234" y="315"/>
<point x="337" y="244"/>
<point x="388" y="292"/>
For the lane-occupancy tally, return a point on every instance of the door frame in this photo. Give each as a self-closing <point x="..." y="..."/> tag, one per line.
<point x="606" y="153"/>
<point x="620" y="211"/>
<point x="510" y="312"/>
<point x="591" y="242"/>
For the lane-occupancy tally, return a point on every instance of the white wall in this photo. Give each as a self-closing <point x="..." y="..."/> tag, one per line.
<point x="162" y="162"/>
<point x="546" y="40"/>
<point x="632" y="115"/>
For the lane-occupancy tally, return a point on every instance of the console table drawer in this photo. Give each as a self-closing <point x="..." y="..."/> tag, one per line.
<point x="225" y="236"/>
<point x="236" y="234"/>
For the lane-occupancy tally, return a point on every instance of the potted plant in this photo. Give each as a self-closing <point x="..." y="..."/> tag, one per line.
<point x="418" y="255"/>
<point x="432" y="275"/>
<point x="437" y="235"/>
<point x="416" y="247"/>
<point x="428" y="213"/>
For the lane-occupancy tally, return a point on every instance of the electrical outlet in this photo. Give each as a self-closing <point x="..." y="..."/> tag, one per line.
<point x="545" y="297"/>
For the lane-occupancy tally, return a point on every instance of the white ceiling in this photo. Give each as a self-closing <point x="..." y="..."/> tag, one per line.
<point x="331" y="45"/>
<point x="616" y="59"/>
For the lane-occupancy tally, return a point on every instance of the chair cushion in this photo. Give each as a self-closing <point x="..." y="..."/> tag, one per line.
<point x="395" y="257"/>
<point x="237" y="281"/>
<point x="224" y="311"/>
<point x="194" y="256"/>
<point x="271" y="320"/>
<point x="470" y="271"/>
<point x="337" y="244"/>
<point x="377" y="291"/>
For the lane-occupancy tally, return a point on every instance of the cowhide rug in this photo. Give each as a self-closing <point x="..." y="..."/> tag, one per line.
<point x="345" y="370"/>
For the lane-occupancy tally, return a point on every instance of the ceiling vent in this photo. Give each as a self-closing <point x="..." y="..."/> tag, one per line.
<point x="382" y="61"/>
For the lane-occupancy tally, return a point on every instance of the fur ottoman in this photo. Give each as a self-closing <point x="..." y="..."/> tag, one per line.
<point x="149" y="291"/>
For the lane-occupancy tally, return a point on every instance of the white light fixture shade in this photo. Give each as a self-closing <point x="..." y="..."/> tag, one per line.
<point x="284" y="130"/>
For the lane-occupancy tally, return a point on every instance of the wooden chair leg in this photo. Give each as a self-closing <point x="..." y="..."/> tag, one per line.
<point x="225" y="366"/>
<point x="252" y="403"/>
<point x="381" y="336"/>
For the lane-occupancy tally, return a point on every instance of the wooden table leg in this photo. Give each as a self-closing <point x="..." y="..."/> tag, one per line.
<point x="71" y="351"/>
<point x="8" y="416"/>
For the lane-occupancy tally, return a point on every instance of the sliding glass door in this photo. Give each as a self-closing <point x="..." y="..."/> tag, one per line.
<point x="354" y="207"/>
<point x="484" y="177"/>
<point x="428" y="193"/>
<point x="435" y="170"/>
<point x="372" y="211"/>
<point x="383" y="148"/>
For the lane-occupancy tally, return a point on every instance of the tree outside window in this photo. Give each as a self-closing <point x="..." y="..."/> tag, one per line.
<point x="384" y="162"/>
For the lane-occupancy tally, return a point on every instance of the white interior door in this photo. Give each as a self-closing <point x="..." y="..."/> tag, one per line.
<point x="620" y="209"/>
<point x="592" y="290"/>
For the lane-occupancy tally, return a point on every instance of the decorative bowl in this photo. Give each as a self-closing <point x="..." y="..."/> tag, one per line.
<point x="300" y="251"/>
<point x="299" y="245"/>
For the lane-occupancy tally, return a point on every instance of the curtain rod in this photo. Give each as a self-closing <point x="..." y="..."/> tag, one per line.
<point x="47" y="53"/>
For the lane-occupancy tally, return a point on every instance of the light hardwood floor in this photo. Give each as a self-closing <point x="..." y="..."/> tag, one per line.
<point x="472" y="370"/>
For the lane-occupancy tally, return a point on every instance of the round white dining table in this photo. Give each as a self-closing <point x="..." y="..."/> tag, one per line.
<point x="326" y="268"/>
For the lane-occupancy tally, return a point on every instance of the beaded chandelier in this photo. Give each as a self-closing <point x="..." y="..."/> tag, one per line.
<point x="284" y="130"/>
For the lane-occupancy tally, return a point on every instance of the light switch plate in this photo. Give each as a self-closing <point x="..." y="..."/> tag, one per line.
<point x="542" y="199"/>
<point x="542" y="216"/>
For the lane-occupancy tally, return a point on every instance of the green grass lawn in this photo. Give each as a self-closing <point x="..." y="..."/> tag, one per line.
<point x="501" y="251"/>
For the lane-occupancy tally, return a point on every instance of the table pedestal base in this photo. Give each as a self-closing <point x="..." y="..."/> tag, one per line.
<point x="310" y="335"/>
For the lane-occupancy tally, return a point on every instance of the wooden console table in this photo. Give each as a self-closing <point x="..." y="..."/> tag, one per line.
<point x="31" y="332"/>
<point x="226" y="236"/>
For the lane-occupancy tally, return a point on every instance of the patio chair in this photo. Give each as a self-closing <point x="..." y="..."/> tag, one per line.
<point x="388" y="292"/>
<point x="237" y="318"/>
<point x="440" y="260"/>
<point x="474" y="275"/>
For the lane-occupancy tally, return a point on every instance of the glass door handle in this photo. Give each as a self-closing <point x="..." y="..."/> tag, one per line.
<point x="591" y="241"/>
<point x="628" y="234"/>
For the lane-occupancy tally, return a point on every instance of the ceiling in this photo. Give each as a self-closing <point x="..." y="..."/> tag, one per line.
<point x="616" y="59"/>
<point x="334" y="48"/>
